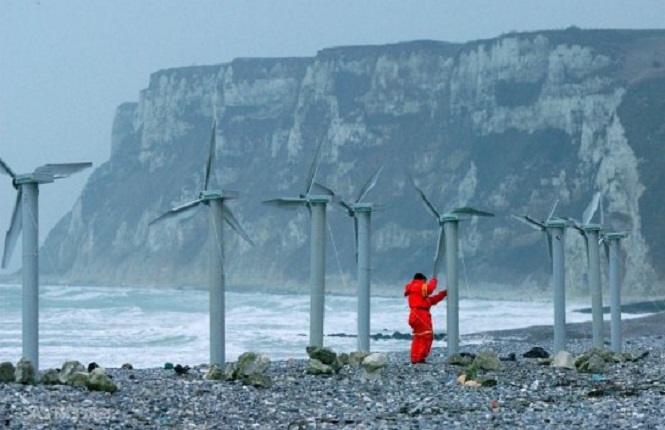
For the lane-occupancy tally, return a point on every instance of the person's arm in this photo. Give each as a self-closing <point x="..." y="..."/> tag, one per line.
<point x="436" y="298"/>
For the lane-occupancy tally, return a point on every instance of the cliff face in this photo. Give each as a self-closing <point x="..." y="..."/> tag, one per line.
<point x="507" y="125"/>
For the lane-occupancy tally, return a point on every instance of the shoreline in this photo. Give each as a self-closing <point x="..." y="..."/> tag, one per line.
<point x="649" y="325"/>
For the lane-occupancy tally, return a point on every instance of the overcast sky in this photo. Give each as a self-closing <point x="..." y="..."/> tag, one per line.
<point x="66" y="65"/>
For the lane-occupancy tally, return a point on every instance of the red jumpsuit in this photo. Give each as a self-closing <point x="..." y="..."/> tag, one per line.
<point x="420" y="319"/>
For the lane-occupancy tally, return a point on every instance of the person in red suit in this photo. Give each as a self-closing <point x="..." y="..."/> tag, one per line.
<point x="419" y="293"/>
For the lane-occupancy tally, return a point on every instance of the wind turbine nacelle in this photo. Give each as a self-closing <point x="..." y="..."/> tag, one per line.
<point x="449" y="218"/>
<point x="364" y="207"/>
<point x="615" y="236"/>
<point x="556" y="223"/>
<point x="592" y="227"/>
<point x="32" y="178"/>
<point x="319" y="199"/>
<point x="218" y="194"/>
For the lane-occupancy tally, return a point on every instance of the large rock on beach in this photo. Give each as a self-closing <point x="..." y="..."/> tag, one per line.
<point x="78" y="379"/>
<point x="98" y="380"/>
<point x="487" y="360"/>
<point x="458" y="359"/>
<point x="69" y="368"/>
<point x="536" y="352"/>
<point x="373" y="364"/>
<point x="25" y="372"/>
<point x="250" y="363"/>
<point x="7" y="372"/>
<point x="214" y="373"/>
<point x="595" y="360"/>
<point x="230" y="372"/>
<point x="375" y="361"/>
<point x="357" y="357"/>
<point x="592" y="363"/>
<point x="324" y="355"/>
<point x="316" y="367"/>
<point x="563" y="360"/>
<point x="50" y="377"/>
<point x="252" y="369"/>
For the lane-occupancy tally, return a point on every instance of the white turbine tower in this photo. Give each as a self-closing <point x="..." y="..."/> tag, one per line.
<point x="611" y="241"/>
<point x="316" y="204"/>
<point x="361" y="213"/>
<point x="448" y="245"/>
<point x="219" y="213"/>
<point x="611" y="244"/>
<point x="592" y="234"/>
<point x="26" y="217"/>
<point x="555" y="232"/>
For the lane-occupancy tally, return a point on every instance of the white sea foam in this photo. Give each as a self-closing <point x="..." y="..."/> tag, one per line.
<point x="148" y="327"/>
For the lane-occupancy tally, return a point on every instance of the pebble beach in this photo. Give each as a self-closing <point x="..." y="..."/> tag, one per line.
<point x="527" y="395"/>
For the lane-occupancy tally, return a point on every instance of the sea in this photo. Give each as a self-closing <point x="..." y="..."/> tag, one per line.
<point x="149" y="327"/>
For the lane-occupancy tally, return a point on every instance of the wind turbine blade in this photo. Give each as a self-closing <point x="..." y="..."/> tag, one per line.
<point x="232" y="221"/>
<point x="602" y="214"/>
<point x="4" y="168"/>
<point x="607" y="250"/>
<point x="324" y="188"/>
<point x="57" y="171"/>
<point x="14" y="230"/>
<point x="471" y="211"/>
<point x="591" y="209"/>
<point x="572" y="222"/>
<point x="286" y="202"/>
<point x="430" y="206"/>
<point x="313" y="168"/>
<point x="549" y="249"/>
<point x="211" y="154"/>
<point x="438" y="255"/>
<point x="175" y="211"/>
<point x="371" y="182"/>
<point x="526" y="219"/>
<point x="551" y="214"/>
<point x="346" y="206"/>
<point x="355" y="236"/>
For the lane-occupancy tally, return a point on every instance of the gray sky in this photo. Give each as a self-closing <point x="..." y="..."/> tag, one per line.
<point x="66" y="65"/>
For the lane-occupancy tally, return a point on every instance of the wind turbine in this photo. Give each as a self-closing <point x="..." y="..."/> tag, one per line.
<point x="555" y="231"/>
<point x="448" y="244"/>
<point x="26" y="217"/>
<point x="219" y="213"/>
<point x="316" y="204"/>
<point x="362" y="213"/>
<point x="591" y="234"/>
